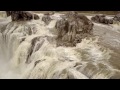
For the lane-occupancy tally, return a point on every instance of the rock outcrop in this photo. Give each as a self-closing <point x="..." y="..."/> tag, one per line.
<point x="46" y="18"/>
<point x="102" y="19"/>
<point x="21" y="15"/>
<point x="73" y="29"/>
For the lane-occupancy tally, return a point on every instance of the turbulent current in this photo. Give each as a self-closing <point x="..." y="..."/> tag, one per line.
<point x="28" y="51"/>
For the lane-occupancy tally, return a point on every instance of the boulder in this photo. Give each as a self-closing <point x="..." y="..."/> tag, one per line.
<point x="72" y="29"/>
<point x="102" y="19"/>
<point x="47" y="19"/>
<point x="21" y="15"/>
<point x="36" y="17"/>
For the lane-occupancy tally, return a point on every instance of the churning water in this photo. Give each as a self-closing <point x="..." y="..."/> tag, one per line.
<point x="28" y="51"/>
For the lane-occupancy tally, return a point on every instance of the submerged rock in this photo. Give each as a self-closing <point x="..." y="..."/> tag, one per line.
<point x="73" y="29"/>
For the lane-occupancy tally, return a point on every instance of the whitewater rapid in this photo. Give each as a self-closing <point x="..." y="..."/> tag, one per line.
<point x="28" y="51"/>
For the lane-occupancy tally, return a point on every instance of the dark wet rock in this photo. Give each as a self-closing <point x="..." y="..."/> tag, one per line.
<point x="71" y="14"/>
<point x="36" y="44"/>
<point x="22" y="15"/>
<point x="47" y="19"/>
<point x="72" y="29"/>
<point x="22" y="39"/>
<point x="31" y="49"/>
<point x="117" y="17"/>
<point x="8" y="13"/>
<point x="110" y="21"/>
<point x="36" y="62"/>
<point x="36" y="17"/>
<point x="102" y="19"/>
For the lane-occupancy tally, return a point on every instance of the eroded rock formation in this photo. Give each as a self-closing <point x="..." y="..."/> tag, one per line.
<point x="21" y="15"/>
<point x="73" y="29"/>
<point x="102" y="19"/>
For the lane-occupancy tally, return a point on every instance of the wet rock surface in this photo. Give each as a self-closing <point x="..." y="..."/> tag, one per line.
<point x="73" y="29"/>
<point x="22" y="15"/>
<point x="117" y="17"/>
<point x="47" y="19"/>
<point x="102" y="19"/>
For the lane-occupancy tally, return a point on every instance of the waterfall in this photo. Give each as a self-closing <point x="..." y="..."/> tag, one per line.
<point x="28" y="51"/>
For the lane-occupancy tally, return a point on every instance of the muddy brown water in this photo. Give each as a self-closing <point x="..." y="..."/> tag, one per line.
<point x="109" y="37"/>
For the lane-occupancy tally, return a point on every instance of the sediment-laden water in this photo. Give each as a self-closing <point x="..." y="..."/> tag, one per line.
<point x="28" y="50"/>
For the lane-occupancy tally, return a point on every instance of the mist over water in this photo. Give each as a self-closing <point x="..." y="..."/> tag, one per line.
<point x="28" y="50"/>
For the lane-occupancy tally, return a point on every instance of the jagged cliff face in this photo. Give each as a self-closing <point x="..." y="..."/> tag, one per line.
<point x="29" y="50"/>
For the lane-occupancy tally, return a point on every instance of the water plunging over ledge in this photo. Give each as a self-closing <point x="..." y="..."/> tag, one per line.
<point x="28" y="50"/>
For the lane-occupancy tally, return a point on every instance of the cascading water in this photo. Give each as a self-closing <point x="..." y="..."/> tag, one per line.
<point x="28" y="50"/>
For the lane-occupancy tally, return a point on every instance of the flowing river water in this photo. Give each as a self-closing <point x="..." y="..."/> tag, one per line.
<point x="28" y="51"/>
